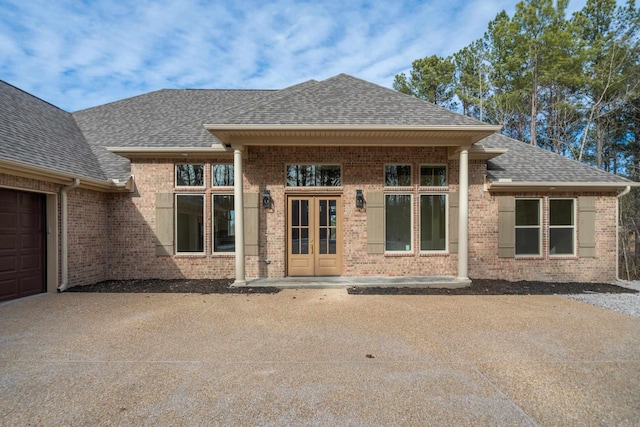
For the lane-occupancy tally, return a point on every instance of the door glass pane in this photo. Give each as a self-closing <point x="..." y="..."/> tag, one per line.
<point x="304" y="241"/>
<point x="323" y="213"/>
<point x="323" y="241"/>
<point x="295" y="241"/>
<point x="332" y="213"/>
<point x="332" y="241"/>
<point x="295" y="213"/>
<point x="304" y="213"/>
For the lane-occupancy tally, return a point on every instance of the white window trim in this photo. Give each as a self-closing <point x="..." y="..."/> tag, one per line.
<point x="396" y="187"/>
<point x="289" y="187"/>
<point x="175" y="221"/>
<point x="213" y="185"/>
<point x="446" y="174"/>
<point x="204" y="177"/>
<point x="411" y="217"/>
<point x="540" y="227"/>
<point x="446" y="222"/>
<point x="213" y="226"/>
<point x="574" y="226"/>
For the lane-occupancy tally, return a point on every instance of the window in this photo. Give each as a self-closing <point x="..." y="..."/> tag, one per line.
<point x="561" y="227"/>
<point x="224" y="223"/>
<point x="188" y="175"/>
<point x="190" y="223"/>
<point x="433" y="222"/>
<point x="397" y="222"/>
<point x="528" y="234"/>
<point x="397" y="176"/>
<point x="314" y="176"/>
<point x="222" y="175"/>
<point x="433" y="176"/>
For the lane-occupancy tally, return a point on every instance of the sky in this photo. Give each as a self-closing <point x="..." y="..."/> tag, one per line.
<point x="77" y="54"/>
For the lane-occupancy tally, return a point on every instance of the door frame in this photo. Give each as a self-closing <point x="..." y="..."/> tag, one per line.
<point x="339" y="234"/>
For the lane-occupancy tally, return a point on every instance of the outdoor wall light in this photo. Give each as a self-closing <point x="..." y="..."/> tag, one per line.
<point x="266" y="199"/>
<point x="359" y="199"/>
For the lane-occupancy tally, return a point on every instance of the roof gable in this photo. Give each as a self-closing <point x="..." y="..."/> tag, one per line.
<point x="345" y="100"/>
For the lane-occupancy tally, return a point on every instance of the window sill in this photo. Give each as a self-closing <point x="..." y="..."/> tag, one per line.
<point x="223" y="255"/>
<point x="399" y="254"/>
<point x="190" y="255"/>
<point x="529" y="257"/>
<point x="563" y="257"/>
<point x="434" y="253"/>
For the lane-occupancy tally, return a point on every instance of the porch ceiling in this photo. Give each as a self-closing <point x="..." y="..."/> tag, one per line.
<point x="362" y="135"/>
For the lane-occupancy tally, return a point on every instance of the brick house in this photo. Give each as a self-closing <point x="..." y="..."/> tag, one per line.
<point x="339" y="177"/>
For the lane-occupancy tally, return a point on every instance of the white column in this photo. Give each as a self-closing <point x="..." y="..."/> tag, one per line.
<point x="238" y="206"/>
<point x="463" y="220"/>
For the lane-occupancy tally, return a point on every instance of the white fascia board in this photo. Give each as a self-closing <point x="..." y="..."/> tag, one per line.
<point x="169" y="151"/>
<point x="505" y="185"/>
<point x="26" y="170"/>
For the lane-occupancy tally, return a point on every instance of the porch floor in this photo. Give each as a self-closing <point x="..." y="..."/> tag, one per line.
<point x="347" y="282"/>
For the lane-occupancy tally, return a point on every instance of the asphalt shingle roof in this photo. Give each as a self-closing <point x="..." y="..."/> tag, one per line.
<point x="526" y="163"/>
<point x="35" y="132"/>
<point x="39" y="133"/>
<point x="345" y="100"/>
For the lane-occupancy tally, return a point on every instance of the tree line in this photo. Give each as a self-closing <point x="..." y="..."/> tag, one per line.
<point x="568" y="84"/>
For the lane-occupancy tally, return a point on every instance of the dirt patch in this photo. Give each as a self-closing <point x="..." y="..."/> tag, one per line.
<point x="198" y="286"/>
<point x="478" y="287"/>
<point x="500" y="287"/>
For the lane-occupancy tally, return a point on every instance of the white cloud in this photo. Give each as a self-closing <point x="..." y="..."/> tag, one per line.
<point x="77" y="55"/>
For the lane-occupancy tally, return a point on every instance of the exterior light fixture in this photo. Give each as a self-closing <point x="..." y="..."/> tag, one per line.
<point x="266" y="199"/>
<point x="359" y="199"/>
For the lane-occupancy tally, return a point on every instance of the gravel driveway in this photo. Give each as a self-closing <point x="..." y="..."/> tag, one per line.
<point x="316" y="357"/>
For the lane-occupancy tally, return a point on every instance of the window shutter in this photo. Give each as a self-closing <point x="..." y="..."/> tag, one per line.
<point x="587" y="226"/>
<point x="251" y="223"/>
<point x="164" y="224"/>
<point x="375" y="223"/>
<point x="454" y="220"/>
<point x="506" y="226"/>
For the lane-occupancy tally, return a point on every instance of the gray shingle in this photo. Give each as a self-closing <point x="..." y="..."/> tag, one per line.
<point x="36" y="132"/>
<point x="345" y="100"/>
<point x="526" y="163"/>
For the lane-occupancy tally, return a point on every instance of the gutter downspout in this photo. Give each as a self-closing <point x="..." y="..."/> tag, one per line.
<point x="621" y="195"/>
<point x="64" y="249"/>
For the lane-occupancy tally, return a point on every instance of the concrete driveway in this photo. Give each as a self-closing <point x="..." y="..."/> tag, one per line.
<point x="316" y="357"/>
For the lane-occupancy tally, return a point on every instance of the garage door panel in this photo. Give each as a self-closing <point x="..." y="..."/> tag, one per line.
<point x="8" y="242"/>
<point x="31" y="242"/>
<point x="30" y="285"/>
<point x="30" y="262"/>
<point x="8" y="220"/>
<point x="22" y="244"/>
<point x="8" y="263"/>
<point x="8" y="289"/>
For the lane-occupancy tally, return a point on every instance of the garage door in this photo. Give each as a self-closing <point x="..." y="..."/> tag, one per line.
<point x="22" y="244"/>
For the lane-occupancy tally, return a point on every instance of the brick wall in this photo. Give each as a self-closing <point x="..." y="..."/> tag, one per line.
<point x="88" y="236"/>
<point x="131" y="220"/>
